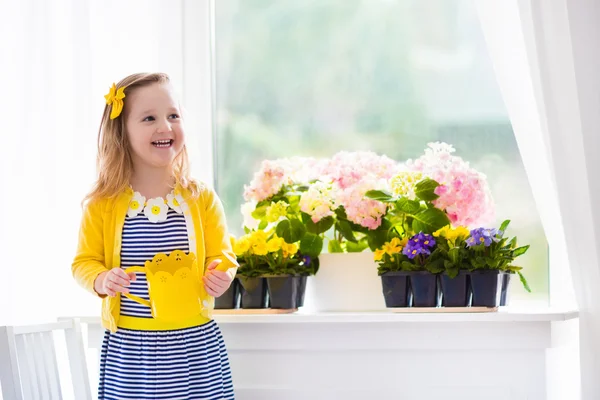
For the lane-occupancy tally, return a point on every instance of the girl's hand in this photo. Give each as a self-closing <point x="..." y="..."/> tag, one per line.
<point x="216" y="282"/>
<point x="113" y="281"/>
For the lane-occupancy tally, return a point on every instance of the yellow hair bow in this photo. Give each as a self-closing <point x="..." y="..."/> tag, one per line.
<point x="115" y="97"/>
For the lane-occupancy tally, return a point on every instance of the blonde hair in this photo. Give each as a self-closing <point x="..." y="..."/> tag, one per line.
<point x="114" y="162"/>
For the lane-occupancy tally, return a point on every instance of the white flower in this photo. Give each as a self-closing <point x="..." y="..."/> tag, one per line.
<point x="156" y="210"/>
<point x="174" y="201"/>
<point x="136" y="205"/>
<point x="249" y="221"/>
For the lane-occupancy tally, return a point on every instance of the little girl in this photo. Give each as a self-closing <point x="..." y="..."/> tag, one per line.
<point x="144" y="206"/>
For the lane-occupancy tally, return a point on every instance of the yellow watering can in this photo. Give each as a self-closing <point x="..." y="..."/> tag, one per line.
<point x="175" y="287"/>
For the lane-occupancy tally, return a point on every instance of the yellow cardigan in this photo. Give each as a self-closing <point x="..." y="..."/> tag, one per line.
<point x="99" y="248"/>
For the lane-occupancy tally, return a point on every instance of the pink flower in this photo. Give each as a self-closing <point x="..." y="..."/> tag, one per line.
<point x="273" y="174"/>
<point x="464" y="192"/>
<point x="351" y="175"/>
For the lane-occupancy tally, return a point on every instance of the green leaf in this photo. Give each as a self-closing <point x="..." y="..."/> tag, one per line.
<point x="345" y="229"/>
<point x="520" y="251"/>
<point x="311" y="245"/>
<point x="376" y="239"/>
<point x="247" y="230"/>
<point x="425" y="189"/>
<point x="317" y="228"/>
<point x="260" y="213"/>
<point x="435" y="267"/>
<point x="408" y="206"/>
<point x="454" y="255"/>
<point x="524" y="281"/>
<point x="358" y="247"/>
<point x="334" y="246"/>
<point x="379" y="195"/>
<point x="290" y="230"/>
<point x="263" y="224"/>
<point x="429" y="220"/>
<point x="452" y="271"/>
<point x="504" y="225"/>
<point x="408" y="266"/>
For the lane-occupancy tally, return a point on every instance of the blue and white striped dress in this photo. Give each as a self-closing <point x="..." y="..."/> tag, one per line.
<point x="189" y="363"/>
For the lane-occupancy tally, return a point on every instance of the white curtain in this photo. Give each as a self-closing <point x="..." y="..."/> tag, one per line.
<point x="547" y="57"/>
<point x="57" y="60"/>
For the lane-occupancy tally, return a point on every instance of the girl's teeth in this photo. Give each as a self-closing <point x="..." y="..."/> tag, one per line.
<point x="162" y="143"/>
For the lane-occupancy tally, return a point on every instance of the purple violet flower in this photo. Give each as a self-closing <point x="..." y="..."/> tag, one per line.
<point x="421" y="243"/>
<point x="483" y="236"/>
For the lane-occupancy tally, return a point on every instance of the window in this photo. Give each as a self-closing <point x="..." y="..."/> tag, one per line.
<point x="312" y="78"/>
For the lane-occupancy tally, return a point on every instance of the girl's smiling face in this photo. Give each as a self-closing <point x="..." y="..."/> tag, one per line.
<point x="154" y="126"/>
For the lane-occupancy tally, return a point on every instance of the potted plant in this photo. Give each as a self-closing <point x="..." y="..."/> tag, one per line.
<point x="408" y="270"/>
<point x="490" y="256"/>
<point x="287" y="272"/>
<point x="455" y="277"/>
<point x="394" y="277"/>
<point x="252" y="250"/>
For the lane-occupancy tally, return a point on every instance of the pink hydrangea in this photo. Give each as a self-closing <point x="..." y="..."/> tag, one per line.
<point x="464" y="192"/>
<point x="360" y="210"/>
<point x="352" y="174"/>
<point x="273" y="174"/>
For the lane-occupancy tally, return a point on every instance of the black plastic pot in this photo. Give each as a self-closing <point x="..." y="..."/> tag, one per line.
<point x="424" y="289"/>
<point x="455" y="291"/>
<point x="229" y="299"/>
<point x="301" y="289"/>
<point x="396" y="289"/>
<point x="504" y="293"/>
<point x="283" y="291"/>
<point x="254" y="292"/>
<point x="487" y="287"/>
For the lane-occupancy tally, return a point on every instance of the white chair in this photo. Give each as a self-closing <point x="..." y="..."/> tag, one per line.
<point x="28" y="363"/>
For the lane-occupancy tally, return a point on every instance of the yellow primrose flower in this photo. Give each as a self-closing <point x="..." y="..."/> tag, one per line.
<point x="241" y="246"/>
<point x="275" y="244"/>
<point x="276" y="211"/>
<point x="289" y="249"/>
<point x="391" y="248"/>
<point x="452" y="234"/>
<point x="260" y="249"/>
<point x="115" y="98"/>
<point x="378" y="256"/>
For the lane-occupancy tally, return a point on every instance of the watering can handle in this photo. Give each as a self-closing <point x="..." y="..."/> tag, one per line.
<point x="132" y="297"/>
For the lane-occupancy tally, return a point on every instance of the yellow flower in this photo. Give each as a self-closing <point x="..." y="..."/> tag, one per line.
<point x="289" y="249"/>
<point x="260" y="249"/>
<point x="275" y="244"/>
<point x="392" y="247"/>
<point x="276" y="211"/>
<point x="379" y="254"/>
<point x="259" y="237"/>
<point x="115" y="98"/>
<point x="452" y="234"/>
<point x="241" y="246"/>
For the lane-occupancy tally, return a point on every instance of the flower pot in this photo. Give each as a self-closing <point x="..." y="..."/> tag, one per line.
<point x="396" y="289"/>
<point x="424" y="289"/>
<point x="301" y="289"/>
<point x="455" y="291"/>
<point x="254" y="292"/>
<point x="283" y="291"/>
<point x="487" y="287"/>
<point x="229" y="299"/>
<point x="345" y="282"/>
<point x="504" y="294"/>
